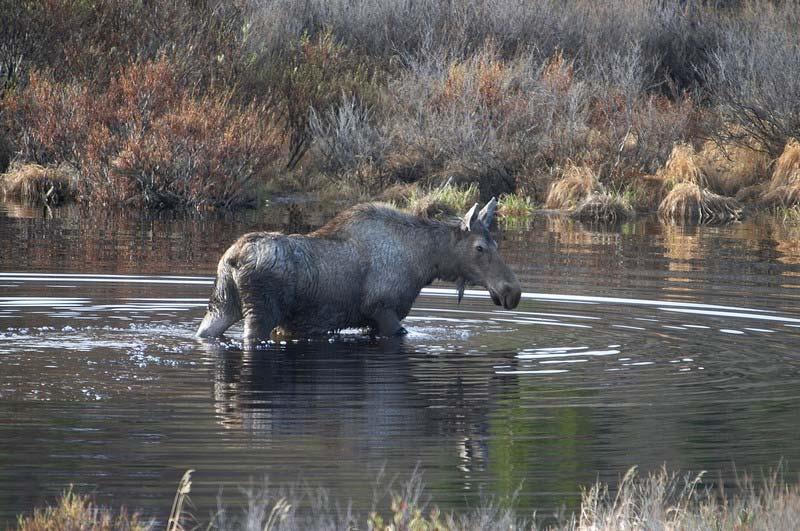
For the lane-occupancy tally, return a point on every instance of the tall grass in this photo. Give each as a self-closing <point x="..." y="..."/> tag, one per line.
<point x="658" y="500"/>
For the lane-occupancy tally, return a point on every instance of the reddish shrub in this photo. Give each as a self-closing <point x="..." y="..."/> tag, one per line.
<point x="146" y="140"/>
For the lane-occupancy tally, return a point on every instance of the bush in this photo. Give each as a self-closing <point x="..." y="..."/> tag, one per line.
<point x="754" y="83"/>
<point x="145" y="140"/>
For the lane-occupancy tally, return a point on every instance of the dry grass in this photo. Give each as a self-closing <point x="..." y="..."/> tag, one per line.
<point x="33" y="184"/>
<point x="603" y="207"/>
<point x="682" y="167"/>
<point x="74" y="512"/>
<point x="731" y="168"/>
<point x="575" y="185"/>
<point x="659" y="500"/>
<point x="688" y="202"/>
<point x="784" y="187"/>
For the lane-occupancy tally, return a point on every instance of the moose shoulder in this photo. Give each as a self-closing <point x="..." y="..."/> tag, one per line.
<point x="364" y="268"/>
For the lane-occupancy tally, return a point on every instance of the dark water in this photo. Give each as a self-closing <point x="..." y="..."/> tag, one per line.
<point x="644" y="345"/>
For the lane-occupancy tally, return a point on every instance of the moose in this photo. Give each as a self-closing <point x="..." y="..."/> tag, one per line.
<point x="363" y="269"/>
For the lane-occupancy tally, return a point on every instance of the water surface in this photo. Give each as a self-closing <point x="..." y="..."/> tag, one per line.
<point x="647" y="344"/>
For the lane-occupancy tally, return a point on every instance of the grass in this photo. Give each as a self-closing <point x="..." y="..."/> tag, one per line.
<point x="658" y="500"/>
<point x="76" y="512"/>
<point x="783" y="190"/>
<point x="516" y="206"/>
<point x="603" y="207"/>
<point x="35" y="184"/>
<point x="688" y="202"/>
<point x="446" y="200"/>
<point x="576" y="184"/>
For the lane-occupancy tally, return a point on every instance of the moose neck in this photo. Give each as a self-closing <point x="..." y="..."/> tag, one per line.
<point x="443" y="265"/>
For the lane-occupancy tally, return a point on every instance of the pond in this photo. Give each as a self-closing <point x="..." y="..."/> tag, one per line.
<point x="646" y="344"/>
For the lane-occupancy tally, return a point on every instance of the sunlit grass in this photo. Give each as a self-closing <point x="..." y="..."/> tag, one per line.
<point x="658" y="500"/>
<point x="516" y="206"/>
<point x="446" y="200"/>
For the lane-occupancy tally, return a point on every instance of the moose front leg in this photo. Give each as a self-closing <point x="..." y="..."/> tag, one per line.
<point x="388" y="324"/>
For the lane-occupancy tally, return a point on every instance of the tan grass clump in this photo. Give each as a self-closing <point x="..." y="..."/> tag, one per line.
<point x="34" y="184"/>
<point x="681" y="167"/>
<point x="688" y="202"/>
<point x="731" y="168"/>
<point x="576" y="184"/>
<point x="603" y="207"/>
<point x="784" y="188"/>
<point x="75" y="512"/>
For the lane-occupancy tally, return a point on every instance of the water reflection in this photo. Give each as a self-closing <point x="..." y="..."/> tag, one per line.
<point x="641" y="344"/>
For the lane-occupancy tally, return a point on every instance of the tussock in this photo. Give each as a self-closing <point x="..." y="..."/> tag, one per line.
<point x="32" y="183"/>
<point x="77" y="512"/>
<point x="682" y="167"/>
<point x="576" y="184"/>
<point x="687" y="202"/>
<point x="602" y="207"/>
<point x="730" y="168"/>
<point x="784" y="188"/>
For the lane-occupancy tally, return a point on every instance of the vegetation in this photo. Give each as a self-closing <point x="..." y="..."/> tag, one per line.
<point x="659" y="500"/>
<point x="184" y="103"/>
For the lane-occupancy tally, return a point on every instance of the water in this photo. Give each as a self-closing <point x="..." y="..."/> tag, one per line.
<point x="645" y="345"/>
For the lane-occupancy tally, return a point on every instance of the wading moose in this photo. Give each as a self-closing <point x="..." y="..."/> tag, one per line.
<point x="364" y="268"/>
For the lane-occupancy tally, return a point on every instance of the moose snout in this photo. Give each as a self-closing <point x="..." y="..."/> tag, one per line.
<point x="506" y="294"/>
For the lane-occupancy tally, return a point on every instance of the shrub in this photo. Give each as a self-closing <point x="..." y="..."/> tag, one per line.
<point x="754" y="85"/>
<point x="145" y="140"/>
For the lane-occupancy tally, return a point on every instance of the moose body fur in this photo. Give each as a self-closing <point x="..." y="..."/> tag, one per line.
<point x="365" y="268"/>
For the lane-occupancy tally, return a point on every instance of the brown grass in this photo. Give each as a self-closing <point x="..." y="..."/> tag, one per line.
<point x="730" y="168"/>
<point x="784" y="187"/>
<point x="688" y="202"/>
<point x="602" y="207"/>
<point x="575" y="185"/>
<point x="32" y="183"/>
<point x="73" y="512"/>
<point x="682" y="167"/>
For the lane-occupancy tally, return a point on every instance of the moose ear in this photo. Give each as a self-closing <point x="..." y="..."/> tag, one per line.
<point x="487" y="214"/>
<point x="469" y="218"/>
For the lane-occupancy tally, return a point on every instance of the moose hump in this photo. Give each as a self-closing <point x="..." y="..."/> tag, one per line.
<point x="364" y="268"/>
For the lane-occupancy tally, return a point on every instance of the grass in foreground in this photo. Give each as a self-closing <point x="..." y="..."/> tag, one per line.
<point x="659" y="500"/>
